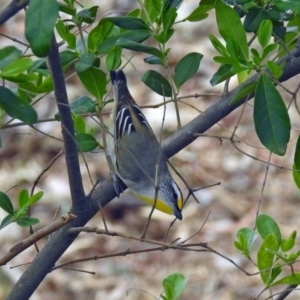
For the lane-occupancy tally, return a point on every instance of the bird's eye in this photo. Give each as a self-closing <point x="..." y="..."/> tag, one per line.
<point x="174" y="195"/>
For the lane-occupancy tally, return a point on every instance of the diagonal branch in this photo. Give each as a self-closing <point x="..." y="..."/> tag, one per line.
<point x="11" y="9"/>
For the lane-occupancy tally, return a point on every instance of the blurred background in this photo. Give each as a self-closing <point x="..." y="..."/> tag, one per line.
<point x="222" y="209"/>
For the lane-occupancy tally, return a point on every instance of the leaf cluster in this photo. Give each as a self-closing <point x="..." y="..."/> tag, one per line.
<point x="274" y="251"/>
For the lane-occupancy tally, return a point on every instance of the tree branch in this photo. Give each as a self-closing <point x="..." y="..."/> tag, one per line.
<point x="21" y="246"/>
<point x="11" y="9"/>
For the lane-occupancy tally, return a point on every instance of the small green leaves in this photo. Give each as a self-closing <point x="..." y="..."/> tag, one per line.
<point x="83" y="105"/>
<point x="293" y="279"/>
<point x="156" y="82"/>
<point x="6" y="204"/>
<point x="94" y="80"/>
<point x="200" y="13"/>
<point x="286" y="5"/>
<point x="137" y="36"/>
<point x="17" y="67"/>
<point x="265" y="258"/>
<point x="186" y="68"/>
<point x="265" y="32"/>
<point x="266" y="225"/>
<point x="138" y="47"/>
<point x="272" y="122"/>
<point x="289" y="243"/>
<point x="174" y="286"/>
<point x="131" y="23"/>
<point x="64" y="32"/>
<point x="296" y="166"/>
<point x="231" y="28"/>
<point x="40" y="20"/>
<point x="27" y="221"/>
<point x="86" y="142"/>
<point x="15" y="107"/>
<point x="19" y="216"/>
<point x="8" y="55"/>
<point x="87" y="15"/>
<point x="113" y="58"/>
<point x="245" y="90"/>
<point x="245" y="240"/>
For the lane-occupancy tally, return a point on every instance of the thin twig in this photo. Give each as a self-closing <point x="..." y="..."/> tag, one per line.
<point x="21" y="246"/>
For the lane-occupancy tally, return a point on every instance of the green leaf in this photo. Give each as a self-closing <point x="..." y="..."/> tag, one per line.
<point x="131" y="23"/>
<point x="276" y="70"/>
<point x="253" y="19"/>
<point x="156" y="82"/>
<point x="40" y="19"/>
<point x="134" y="13"/>
<point x="6" y="204"/>
<point x="275" y="272"/>
<point x="265" y="258"/>
<point x="293" y="279"/>
<point x="223" y="73"/>
<point x="113" y="58"/>
<point x="285" y="5"/>
<point x="268" y="49"/>
<point x="296" y="175"/>
<point x="272" y="122"/>
<point x="169" y="18"/>
<point x="218" y="45"/>
<point x="225" y="60"/>
<point x="6" y="221"/>
<point x="83" y="105"/>
<point x="26" y="221"/>
<point x="23" y="198"/>
<point x="187" y="68"/>
<point x="38" y="64"/>
<point x="153" y="60"/>
<point x="200" y="13"/>
<point x="86" y="142"/>
<point x="8" y="55"/>
<point x="297" y="155"/>
<point x="67" y="9"/>
<point x="230" y="27"/>
<point x="138" y="47"/>
<point x="95" y="81"/>
<point x="233" y="49"/>
<point x="102" y="31"/>
<point x="85" y="62"/>
<point x="15" y="107"/>
<point x="264" y="33"/>
<point x="174" y="286"/>
<point x="289" y="243"/>
<point x="21" y="78"/>
<point x="137" y="36"/>
<point x="35" y="198"/>
<point x="46" y="86"/>
<point x="87" y="15"/>
<point x="243" y="92"/>
<point x="245" y="240"/>
<point x="276" y="15"/>
<point x="27" y="91"/>
<point x="17" y="67"/>
<point x="79" y="124"/>
<point x="266" y="225"/>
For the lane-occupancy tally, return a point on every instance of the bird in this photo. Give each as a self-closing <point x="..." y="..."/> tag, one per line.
<point x="136" y="155"/>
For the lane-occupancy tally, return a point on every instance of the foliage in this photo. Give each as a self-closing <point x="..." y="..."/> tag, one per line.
<point x="19" y="215"/>
<point x="173" y="285"/>
<point x="92" y="53"/>
<point x="274" y="252"/>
